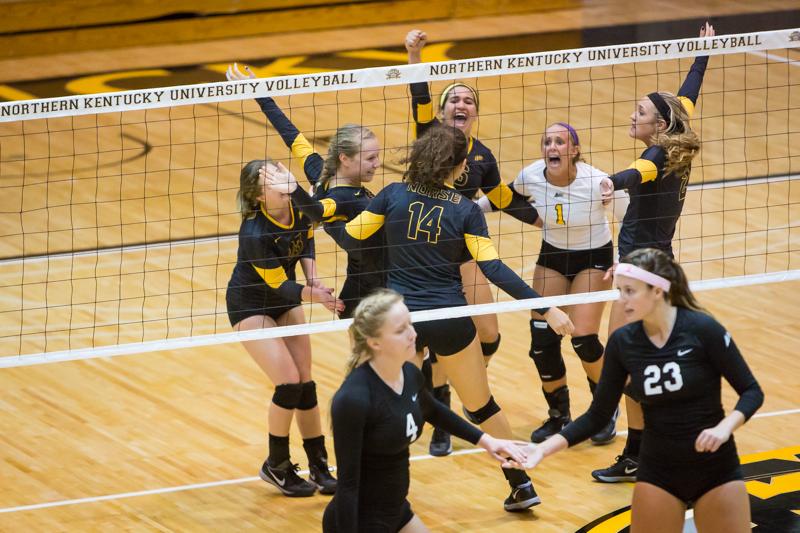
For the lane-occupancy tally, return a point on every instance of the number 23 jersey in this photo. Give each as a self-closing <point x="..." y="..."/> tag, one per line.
<point x="679" y="384"/>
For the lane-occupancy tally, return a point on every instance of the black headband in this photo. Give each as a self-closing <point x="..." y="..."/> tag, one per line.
<point x="662" y="106"/>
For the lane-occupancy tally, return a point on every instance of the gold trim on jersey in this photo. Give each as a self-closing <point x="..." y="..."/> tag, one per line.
<point x="471" y="141"/>
<point x="424" y="113"/>
<point x="501" y="195"/>
<point x="274" y="277"/>
<point x="364" y="225"/>
<point x="310" y="234"/>
<point x="328" y="207"/>
<point x="282" y="226"/>
<point x="301" y="148"/>
<point x="646" y="168"/>
<point x="688" y="105"/>
<point x="480" y="248"/>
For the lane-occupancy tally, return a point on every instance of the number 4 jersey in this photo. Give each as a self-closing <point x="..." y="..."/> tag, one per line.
<point x="678" y="384"/>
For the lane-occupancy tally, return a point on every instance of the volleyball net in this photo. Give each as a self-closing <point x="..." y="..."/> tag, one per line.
<point x="118" y="227"/>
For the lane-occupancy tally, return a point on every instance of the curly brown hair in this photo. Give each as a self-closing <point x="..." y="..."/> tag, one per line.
<point x="434" y="156"/>
<point x="679" y="141"/>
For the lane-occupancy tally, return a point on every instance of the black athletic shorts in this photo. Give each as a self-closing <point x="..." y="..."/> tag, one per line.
<point x="372" y="520"/>
<point x="445" y="337"/>
<point x="570" y="262"/>
<point x="688" y="480"/>
<point x="244" y="302"/>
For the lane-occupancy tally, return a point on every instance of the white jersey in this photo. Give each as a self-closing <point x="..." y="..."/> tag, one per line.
<point x="573" y="217"/>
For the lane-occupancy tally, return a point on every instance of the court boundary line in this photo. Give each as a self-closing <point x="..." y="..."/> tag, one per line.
<point x="237" y="481"/>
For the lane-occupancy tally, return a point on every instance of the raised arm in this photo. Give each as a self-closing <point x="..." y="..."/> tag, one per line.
<point x="421" y="104"/>
<point x="301" y="149"/>
<point x="690" y="90"/>
<point x="502" y="197"/>
<point x="279" y="178"/>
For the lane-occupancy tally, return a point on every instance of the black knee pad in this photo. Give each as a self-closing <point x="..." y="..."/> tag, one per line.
<point x="588" y="347"/>
<point x="489" y="348"/>
<point x="287" y="395"/>
<point x="484" y="413"/>
<point x="546" y="351"/>
<point x="308" y="396"/>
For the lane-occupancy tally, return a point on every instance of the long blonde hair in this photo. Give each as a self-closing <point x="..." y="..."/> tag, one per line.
<point x="679" y="141"/>
<point x="347" y="140"/>
<point x="368" y="319"/>
<point x="250" y="188"/>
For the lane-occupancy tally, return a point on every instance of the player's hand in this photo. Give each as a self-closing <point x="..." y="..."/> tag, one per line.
<point x="233" y="73"/>
<point x="533" y="454"/>
<point x="606" y="190"/>
<point x="278" y="178"/>
<point x="559" y="321"/>
<point x="711" y="439"/>
<point x="325" y="297"/>
<point x="707" y="30"/>
<point x="609" y="275"/>
<point x="415" y="42"/>
<point x="316" y="282"/>
<point x="504" y="450"/>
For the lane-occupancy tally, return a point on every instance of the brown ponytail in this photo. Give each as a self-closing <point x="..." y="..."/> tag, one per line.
<point x="434" y="156"/>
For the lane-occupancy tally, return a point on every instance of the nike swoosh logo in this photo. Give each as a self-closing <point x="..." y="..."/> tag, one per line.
<point x="414" y="398"/>
<point x="629" y="470"/>
<point x="681" y="353"/>
<point x="537" y="352"/>
<point x="577" y="345"/>
<point x="280" y="481"/>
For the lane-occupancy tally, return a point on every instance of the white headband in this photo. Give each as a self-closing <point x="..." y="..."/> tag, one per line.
<point x="633" y="271"/>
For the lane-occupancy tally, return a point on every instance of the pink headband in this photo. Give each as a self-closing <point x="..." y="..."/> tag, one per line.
<point x="633" y="271"/>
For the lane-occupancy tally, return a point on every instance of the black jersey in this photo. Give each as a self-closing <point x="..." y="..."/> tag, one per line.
<point x="430" y="232"/>
<point x="373" y="427"/>
<point x="678" y="384"/>
<point x="267" y="257"/>
<point x="482" y="170"/>
<point x="656" y="198"/>
<point x="333" y="206"/>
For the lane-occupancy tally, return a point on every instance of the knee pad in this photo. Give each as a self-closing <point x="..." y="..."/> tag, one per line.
<point x="308" y="396"/>
<point x="588" y="347"/>
<point x="489" y="348"/>
<point x="484" y="413"/>
<point x="287" y="395"/>
<point x="546" y="351"/>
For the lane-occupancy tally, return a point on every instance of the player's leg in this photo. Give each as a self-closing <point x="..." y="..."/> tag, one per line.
<point x="585" y="339"/>
<point x="723" y="508"/>
<point x="654" y="510"/>
<point x="545" y="351"/>
<point x="274" y="358"/>
<point x="307" y="413"/>
<point x="477" y="290"/>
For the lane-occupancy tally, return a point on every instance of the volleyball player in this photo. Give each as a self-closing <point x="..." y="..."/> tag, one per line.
<point x="675" y="356"/>
<point x="458" y="108"/>
<point x="377" y="413"/>
<point x="352" y="159"/>
<point x="575" y="253"/>
<point x="657" y="183"/>
<point x="262" y="293"/>
<point x="430" y="230"/>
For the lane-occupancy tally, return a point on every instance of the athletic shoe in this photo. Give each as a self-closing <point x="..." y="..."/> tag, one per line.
<point x="285" y="478"/>
<point x="607" y="434"/>
<point x="320" y="475"/>
<point x="521" y="498"/>
<point x="623" y="469"/>
<point x="441" y="443"/>
<point x="550" y="427"/>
